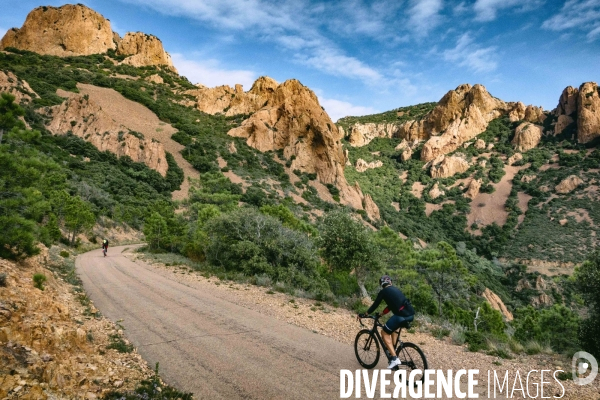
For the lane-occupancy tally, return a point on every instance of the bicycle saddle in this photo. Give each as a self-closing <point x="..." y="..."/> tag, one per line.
<point x="405" y="324"/>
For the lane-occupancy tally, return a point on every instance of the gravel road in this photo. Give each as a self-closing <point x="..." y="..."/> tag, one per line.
<point x="208" y="345"/>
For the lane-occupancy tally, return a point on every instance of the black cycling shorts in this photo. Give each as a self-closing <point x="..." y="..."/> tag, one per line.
<point x="394" y="323"/>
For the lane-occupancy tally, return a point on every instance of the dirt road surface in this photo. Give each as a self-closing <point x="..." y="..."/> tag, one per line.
<point x="207" y="344"/>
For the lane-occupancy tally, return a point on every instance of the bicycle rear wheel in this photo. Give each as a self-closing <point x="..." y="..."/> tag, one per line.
<point x="412" y="358"/>
<point x="366" y="348"/>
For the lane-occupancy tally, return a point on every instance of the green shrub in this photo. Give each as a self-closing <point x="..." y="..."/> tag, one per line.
<point x="118" y="343"/>
<point x="38" y="280"/>
<point x="64" y="253"/>
<point x="476" y="340"/>
<point x="533" y="347"/>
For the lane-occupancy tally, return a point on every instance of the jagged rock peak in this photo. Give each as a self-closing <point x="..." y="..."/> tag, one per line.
<point x="143" y="50"/>
<point x="69" y="30"/>
<point x="77" y="30"/>
<point x="264" y="84"/>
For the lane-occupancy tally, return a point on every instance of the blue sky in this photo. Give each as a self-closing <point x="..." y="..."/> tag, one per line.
<point x="362" y="57"/>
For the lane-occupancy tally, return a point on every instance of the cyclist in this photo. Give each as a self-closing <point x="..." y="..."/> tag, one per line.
<point x="104" y="246"/>
<point x="399" y="305"/>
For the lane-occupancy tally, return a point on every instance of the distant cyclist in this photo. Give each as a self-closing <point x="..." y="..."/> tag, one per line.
<point x="105" y="246"/>
<point x="399" y="305"/>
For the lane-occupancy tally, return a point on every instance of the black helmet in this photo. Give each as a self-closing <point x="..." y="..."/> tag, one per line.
<point x="385" y="280"/>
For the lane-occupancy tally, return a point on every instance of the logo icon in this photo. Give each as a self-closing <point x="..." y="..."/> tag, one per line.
<point x="580" y="364"/>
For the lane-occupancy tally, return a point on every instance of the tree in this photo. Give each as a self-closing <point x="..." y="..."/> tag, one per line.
<point x="155" y="229"/>
<point x="346" y="245"/>
<point x="9" y="114"/>
<point x="78" y="216"/>
<point x="587" y="278"/>
<point x="444" y="272"/>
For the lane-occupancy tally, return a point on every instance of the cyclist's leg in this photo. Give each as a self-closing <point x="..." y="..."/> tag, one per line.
<point x="388" y="330"/>
<point x="391" y="331"/>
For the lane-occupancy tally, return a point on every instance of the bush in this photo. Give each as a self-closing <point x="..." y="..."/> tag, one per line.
<point x="38" y="280"/>
<point x="3" y="279"/>
<point x="119" y="344"/>
<point x="64" y="254"/>
<point x="476" y="340"/>
<point x="533" y="347"/>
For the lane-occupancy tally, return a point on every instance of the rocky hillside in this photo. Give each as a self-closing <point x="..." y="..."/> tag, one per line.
<point x="53" y="341"/>
<point x="76" y="30"/>
<point x="498" y="165"/>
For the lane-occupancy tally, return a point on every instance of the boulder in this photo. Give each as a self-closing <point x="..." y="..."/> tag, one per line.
<point x="436" y="192"/>
<point x="514" y="158"/>
<point x="449" y="166"/>
<point x="527" y="136"/>
<point x="497" y="303"/>
<point x="87" y="120"/>
<point x="69" y="30"/>
<point x="406" y="154"/>
<point x="362" y="165"/>
<point x="473" y="189"/>
<point x="479" y="144"/>
<point x="568" y="184"/>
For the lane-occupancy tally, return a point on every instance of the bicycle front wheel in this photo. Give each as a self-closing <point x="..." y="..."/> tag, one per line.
<point x="366" y="348"/>
<point x="412" y="358"/>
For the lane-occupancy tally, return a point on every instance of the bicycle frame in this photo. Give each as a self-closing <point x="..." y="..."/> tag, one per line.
<point x="375" y="332"/>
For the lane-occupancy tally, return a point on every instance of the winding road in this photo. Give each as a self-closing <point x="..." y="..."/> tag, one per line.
<point x="208" y="345"/>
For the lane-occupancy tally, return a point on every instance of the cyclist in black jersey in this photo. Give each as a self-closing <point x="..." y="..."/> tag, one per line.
<point x="399" y="305"/>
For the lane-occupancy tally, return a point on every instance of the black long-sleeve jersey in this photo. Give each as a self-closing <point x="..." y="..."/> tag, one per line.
<point x="395" y="300"/>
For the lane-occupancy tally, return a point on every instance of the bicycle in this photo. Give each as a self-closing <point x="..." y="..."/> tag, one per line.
<point x="368" y="344"/>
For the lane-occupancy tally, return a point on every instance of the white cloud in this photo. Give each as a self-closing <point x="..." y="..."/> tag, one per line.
<point x="337" y="109"/>
<point x="487" y="10"/>
<point x="468" y="54"/>
<point x="210" y="73"/>
<point x="331" y="62"/>
<point x="424" y="15"/>
<point x="577" y="14"/>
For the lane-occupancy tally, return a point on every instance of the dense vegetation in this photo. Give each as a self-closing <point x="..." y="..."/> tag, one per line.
<point x="55" y="187"/>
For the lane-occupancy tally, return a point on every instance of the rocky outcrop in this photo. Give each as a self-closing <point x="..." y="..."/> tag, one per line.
<point x="514" y="158"/>
<point x="362" y="134"/>
<point x="361" y="165"/>
<point x="527" y="136"/>
<point x="70" y="30"/>
<point x="87" y="120"/>
<point x="520" y="112"/>
<point x="567" y="103"/>
<point x="473" y="189"/>
<point x="293" y="120"/>
<point x="588" y="112"/>
<point x="371" y="208"/>
<point x="479" y="144"/>
<point x="76" y="30"/>
<point x="497" y="303"/>
<point x="562" y="122"/>
<point x="144" y="50"/>
<point x="568" y="184"/>
<point x="461" y="115"/>
<point x="449" y="166"/>
<point x="582" y="107"/>
<point x="436" y="192"/>
<point x="10" y="83"/>
<point x="233" y="101"/>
